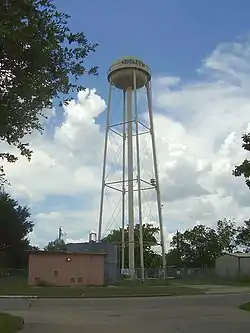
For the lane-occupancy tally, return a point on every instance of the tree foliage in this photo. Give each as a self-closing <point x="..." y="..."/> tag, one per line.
<point x="201" y="245"/>
<point x="227" y="232"/>
<point x="243" y="236"/>
<point x="150" y="236"/>
<point x="40" y="60"/>
<point x="56" y="246"/>
<point x="244" y="168"/>
<point x="15" y="226"/>
<point x="198" y="247"/>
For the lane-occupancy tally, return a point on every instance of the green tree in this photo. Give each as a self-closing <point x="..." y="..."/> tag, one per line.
<point x="34" y="248"/>
<point x="243" y="236"/>
<point x="174" y="258"/>
<point x="244" y="168"/>
<point x="197" y="247"/>
<point x="201" y="245"/>
<point x="15" y="226"/>
<point x="40" y="61"/>
<point x="56" y="246"/>
<point x="227" y="235"/>
<point x="150" y="235"/>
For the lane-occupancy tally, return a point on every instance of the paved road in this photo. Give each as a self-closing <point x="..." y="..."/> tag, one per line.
<point x="190" y="314"/>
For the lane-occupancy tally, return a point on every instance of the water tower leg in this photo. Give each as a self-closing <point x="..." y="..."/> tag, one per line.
<point x="104" y="166"/>
<point x="123" y="179"/>
<point x="158" y="193"/>
<point x="138" y="177"/>
<point x="130" y="184"/>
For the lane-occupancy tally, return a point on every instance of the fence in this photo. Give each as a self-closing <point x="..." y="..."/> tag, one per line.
<point x="15" y="273"/>
<point x="173" y="272"/>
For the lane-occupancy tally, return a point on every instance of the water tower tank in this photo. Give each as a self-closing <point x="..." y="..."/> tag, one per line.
<point x="120" y="73"/>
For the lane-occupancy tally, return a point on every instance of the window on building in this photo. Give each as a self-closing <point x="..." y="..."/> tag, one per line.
<point x="79" y="279"/>
<point x="73" y="280"/>
<point x="55" y="273"/>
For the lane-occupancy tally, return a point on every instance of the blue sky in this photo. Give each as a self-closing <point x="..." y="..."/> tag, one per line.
<point x="199" y="55"/>
<point x="172" y="36"/>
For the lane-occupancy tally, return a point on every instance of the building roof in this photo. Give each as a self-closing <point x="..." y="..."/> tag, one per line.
<point x="239" y="255"/>
<point x="89" y="247"/>
<point x="66" y="252"/>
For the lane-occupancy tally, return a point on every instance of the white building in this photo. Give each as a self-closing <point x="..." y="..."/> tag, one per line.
<point x="233" y="265"/>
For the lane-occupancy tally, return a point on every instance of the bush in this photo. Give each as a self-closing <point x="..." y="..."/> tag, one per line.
<point x="43" y="283"/>
<point x="10" y="324"/>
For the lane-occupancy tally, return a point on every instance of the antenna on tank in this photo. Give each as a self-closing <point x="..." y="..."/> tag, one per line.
<point x="60" y="233"/>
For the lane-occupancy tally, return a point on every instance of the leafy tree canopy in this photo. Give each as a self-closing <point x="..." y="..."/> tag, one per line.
<point x="15" y="226"/>
<point x="244" y="168"/>
<point x="56" y="245"/>
<point x="243" y="236"/>
<point x="198" y="246"/>
<point x="201" y="245"/>
<point x="40" y="60"/>
<point x="150" y="236"/>
<point x="227" y="232"/>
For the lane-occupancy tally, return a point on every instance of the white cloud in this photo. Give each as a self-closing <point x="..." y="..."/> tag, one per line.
<point x="69" y="162"/>
<point x="211" y="114"/>
<point x="198" y="127"/>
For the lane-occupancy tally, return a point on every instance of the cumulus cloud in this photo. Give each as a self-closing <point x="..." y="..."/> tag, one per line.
<point x="68" y="161"/>
<point x="209" y="115"/>
<point x="198" y="125"/>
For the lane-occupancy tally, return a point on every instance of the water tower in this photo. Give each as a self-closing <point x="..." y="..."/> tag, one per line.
<point x="130" y="75"/>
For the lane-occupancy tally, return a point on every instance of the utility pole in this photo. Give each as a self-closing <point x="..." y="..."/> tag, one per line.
<point x="178" y="247"/>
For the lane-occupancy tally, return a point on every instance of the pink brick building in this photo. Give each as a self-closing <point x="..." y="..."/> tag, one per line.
<point x="66" y="269"/>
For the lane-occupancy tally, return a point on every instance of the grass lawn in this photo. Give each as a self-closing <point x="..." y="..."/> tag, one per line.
<point x="245" y="306"/>
<point x="19" y="287"/>
<point x="10" y="324"/>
